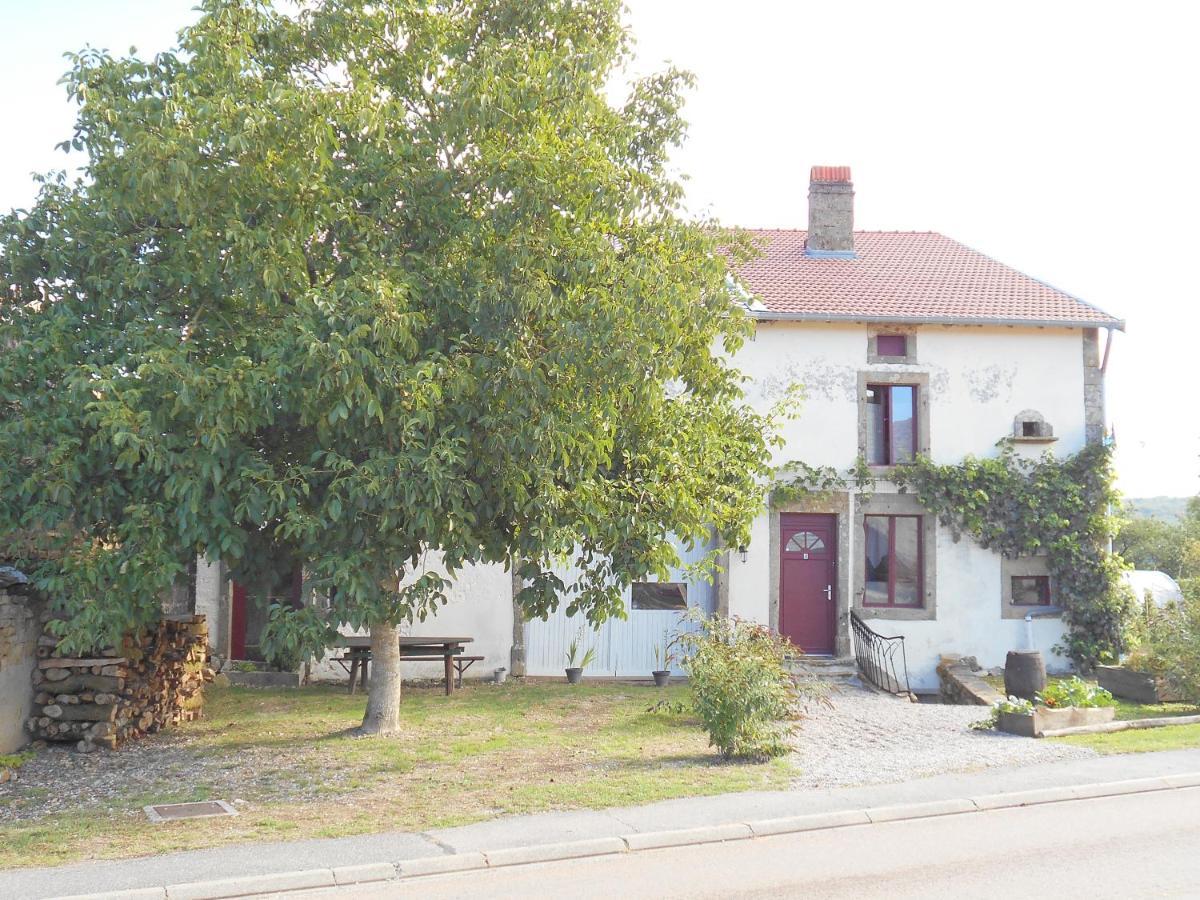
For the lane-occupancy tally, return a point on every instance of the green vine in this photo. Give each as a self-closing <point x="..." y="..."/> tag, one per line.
<point x="805" y="482"/>
<point x="1057" y="508"/>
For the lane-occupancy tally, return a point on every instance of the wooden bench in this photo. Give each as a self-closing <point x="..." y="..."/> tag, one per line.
<point x="461" y="663"/>
<point x="417" y="648"/>
<point x="354" y="661"/>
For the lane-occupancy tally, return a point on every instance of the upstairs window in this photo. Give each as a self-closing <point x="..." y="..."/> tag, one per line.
<point x="894" y="558"/>
<point x="891" y="345"/>
<point x="1031" y="590"/>
<point x="891" y="424"/>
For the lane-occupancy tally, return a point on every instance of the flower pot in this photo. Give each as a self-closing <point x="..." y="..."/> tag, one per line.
<point x="661" y="677"/>
<point x="574" y="675"/>
<point x="1017" y="723"/>
<point x="501" y="675"/>
<point x="1043" y="719"/>
<point x="1048" y="719"/>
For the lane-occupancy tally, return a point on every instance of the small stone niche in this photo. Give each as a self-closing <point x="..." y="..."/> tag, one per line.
<point x="1031" y="427"/>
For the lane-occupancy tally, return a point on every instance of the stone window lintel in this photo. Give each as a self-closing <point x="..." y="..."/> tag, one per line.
<point x="910" y="357"/>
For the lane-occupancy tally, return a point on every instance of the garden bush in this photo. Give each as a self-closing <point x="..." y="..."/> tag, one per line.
<point x="1074" y="691"/>
<point x="742" y="691"/>
<point x="1168" y="645"/>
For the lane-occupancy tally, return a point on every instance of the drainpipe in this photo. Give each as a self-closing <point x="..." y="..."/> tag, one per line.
<point x="1107" y="348"/>
<point x="1029" y="632"/>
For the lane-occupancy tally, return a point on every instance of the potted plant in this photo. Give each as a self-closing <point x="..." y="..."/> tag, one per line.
<point x="576" y="663"/>
<point x="1065" y="703"/>
<point x="1012" y="714"/>
<point x="664" y="655"/>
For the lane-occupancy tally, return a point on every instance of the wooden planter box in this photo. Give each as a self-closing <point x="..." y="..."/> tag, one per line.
<point x="1128" y="684"/>
<point x="1044" y="719"/>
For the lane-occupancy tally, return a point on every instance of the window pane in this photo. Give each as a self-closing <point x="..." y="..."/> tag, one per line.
<point x="891" y="345"/>
<point x="877" y="450"/>
<point x="804" y="540"/>
<point x="907" y="562"/>
<point x="877" y="560"/>
<point x="903" y="409"/>
<point x="1030" y="590"/>
<point x="659" y="595"/>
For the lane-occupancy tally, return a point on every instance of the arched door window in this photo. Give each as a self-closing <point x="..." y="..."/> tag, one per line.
<point x="805" y="542"/>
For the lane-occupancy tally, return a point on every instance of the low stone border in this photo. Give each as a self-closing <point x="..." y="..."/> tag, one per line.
<point x="262" y="678"/>
<point x="961" y="686"/>
<point x="1123" y="725"/>
<point x="514" y="856"/>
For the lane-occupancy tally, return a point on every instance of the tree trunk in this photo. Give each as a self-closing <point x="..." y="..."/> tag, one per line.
<point x="383" y="689"/>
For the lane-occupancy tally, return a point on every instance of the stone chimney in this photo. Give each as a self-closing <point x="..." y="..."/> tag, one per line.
<point x="830" y="213"/>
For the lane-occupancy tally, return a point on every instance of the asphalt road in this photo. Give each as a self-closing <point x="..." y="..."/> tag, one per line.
<point x="1141" y="845"/>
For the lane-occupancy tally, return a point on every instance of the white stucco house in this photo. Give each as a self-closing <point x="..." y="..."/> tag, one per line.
<point x="904" y="343"/>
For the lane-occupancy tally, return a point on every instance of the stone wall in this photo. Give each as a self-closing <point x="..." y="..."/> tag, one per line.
<point x="18" y="656"/>
<point x="961" y="683"/>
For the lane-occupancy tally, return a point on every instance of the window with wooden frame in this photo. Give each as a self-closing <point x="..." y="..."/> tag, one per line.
<point x="894" y="553"/>
<point x="891" y="345"/>
<point x="1031" y="590"/>
<point x="891" y="424"/>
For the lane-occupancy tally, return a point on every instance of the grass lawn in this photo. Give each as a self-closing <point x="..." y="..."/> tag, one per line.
<point x="487" y="751"/>
<point x="1141" y="740"/>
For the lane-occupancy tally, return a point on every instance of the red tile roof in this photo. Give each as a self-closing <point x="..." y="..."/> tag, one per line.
<point x="905" y="277"/>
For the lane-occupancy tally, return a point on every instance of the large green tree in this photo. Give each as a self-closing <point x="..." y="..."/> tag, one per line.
<point x="360" y="283"/>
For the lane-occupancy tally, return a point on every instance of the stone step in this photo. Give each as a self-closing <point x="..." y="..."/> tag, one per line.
<point x="832" y="668"/>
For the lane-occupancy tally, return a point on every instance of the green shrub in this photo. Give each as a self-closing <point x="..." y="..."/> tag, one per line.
<point x="1074" y="691"/>
<point x="292" y="636"/>
<point x="1168" y="645"/>
<point x="742" y="691"/>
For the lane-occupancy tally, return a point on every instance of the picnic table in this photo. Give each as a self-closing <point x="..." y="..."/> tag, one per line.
<point x="416" y="648"/>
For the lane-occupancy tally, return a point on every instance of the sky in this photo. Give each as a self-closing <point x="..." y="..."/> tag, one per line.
<point x="1059" y="138"/>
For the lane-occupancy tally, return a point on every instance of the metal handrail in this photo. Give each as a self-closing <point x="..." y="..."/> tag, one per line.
<point x="876" y="654"/>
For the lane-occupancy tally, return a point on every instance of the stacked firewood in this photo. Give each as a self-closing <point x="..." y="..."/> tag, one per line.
<point x="154" y="679"/>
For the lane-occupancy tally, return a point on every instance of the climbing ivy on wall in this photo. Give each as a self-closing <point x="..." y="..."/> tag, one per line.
<point x="805" y="482"/>
<point x="1059" y="508"/>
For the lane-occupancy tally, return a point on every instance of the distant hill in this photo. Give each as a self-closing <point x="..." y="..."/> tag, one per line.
<point x="1168" y="509"/>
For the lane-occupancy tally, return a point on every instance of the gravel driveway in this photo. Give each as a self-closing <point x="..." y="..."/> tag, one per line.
<point x="870" y="738"/>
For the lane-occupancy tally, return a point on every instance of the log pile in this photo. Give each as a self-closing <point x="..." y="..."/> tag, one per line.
<point x="154" y="679"/>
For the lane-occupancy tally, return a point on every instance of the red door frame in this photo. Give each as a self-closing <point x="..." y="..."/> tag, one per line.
<point x="237" y="611"/>
<point x="237" y="622"/>
<point x="826" y="525"/>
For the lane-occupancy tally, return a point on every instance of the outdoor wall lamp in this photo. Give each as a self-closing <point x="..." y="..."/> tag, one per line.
<point x="743" y="552"/>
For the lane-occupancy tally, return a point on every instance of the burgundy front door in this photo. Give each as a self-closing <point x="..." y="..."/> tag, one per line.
<point x="807" y="560"/>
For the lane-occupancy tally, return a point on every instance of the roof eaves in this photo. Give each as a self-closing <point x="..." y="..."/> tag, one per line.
<point x="771" y="316"/>
<point x="1119" y="323"/>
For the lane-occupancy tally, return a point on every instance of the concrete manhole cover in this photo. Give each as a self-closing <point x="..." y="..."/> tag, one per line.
<point x="205" y="809"/>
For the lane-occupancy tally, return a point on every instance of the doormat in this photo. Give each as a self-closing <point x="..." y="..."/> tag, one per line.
<point x="204" y="809"/>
